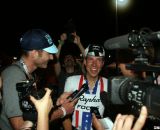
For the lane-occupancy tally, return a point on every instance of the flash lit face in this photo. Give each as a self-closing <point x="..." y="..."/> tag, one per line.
<point x="93" y="65"/>
<point x="42" y="59"/>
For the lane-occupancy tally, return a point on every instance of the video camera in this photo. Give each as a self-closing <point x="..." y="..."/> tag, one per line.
<point x="138" y="91"/>
<point x="135" y="93"/>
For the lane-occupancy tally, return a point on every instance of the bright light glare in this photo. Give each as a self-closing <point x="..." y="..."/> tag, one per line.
<point x="121" y="4"/>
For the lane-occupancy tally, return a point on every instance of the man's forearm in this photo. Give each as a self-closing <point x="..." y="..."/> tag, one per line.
<point x="17" y="122"/>
<point x="56" y="114"/>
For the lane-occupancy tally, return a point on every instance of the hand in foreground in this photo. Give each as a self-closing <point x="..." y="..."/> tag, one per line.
<point x="45" y="104"/>
<point x="96" y="123"/>
<point x="43" y="107"/>
<point x="63" y="98"/>
<point x="66" y="102"/>
<point x="69" y="106"/>
<point x="125" y="122"/>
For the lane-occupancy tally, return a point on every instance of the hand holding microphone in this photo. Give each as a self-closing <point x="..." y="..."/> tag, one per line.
<point x="68" y="100"/>
<point x="70" y="96"/>
<point x="76" y="94"/>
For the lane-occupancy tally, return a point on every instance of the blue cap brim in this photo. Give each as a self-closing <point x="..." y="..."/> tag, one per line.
<point x="52" y="49"/>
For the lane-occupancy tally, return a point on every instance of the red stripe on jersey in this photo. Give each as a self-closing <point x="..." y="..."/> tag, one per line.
<point x="80" y="82"/>
<point x="77" y="118"/>
<point x="102" y="85"/>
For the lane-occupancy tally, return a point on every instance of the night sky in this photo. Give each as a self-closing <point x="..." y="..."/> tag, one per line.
<point x="94" y="19"/>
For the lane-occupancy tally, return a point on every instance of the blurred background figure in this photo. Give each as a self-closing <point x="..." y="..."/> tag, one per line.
<point x="68" y="63"/>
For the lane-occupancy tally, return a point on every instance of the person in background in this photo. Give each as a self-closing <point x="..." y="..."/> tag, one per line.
<point x="66" y="64"/>
<point x="123" y="57"/>
<point x="37" y="50"/>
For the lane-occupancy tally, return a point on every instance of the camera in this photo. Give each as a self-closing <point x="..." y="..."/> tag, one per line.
<point x="26" y="88"/>
<point x="138" y="91"/>
<point x="135" y="93"/>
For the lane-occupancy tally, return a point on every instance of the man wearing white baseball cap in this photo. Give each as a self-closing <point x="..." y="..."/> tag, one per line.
<point x="93" y="62"/>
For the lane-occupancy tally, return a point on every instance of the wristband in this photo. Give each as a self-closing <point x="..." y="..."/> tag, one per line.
<point x="64" y="111"/>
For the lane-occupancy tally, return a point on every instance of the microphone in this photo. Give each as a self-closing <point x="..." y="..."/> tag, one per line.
<point x="123" y="42"/>
<point x="77" y="94"/>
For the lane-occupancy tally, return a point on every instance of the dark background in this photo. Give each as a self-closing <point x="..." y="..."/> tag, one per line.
<point x="94" y="19"/>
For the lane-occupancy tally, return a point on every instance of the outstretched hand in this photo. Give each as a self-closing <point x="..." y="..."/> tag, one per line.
<point x="96" y="123"/>
<point x="66" y="102"/>
<point x="63" y="98"/>
<point x="125" y="122"/>
<point x="45" y="104"/>
<point x="76" y="39"/>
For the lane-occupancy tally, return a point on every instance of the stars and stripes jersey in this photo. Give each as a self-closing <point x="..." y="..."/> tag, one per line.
<point x="82" y="118"/>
